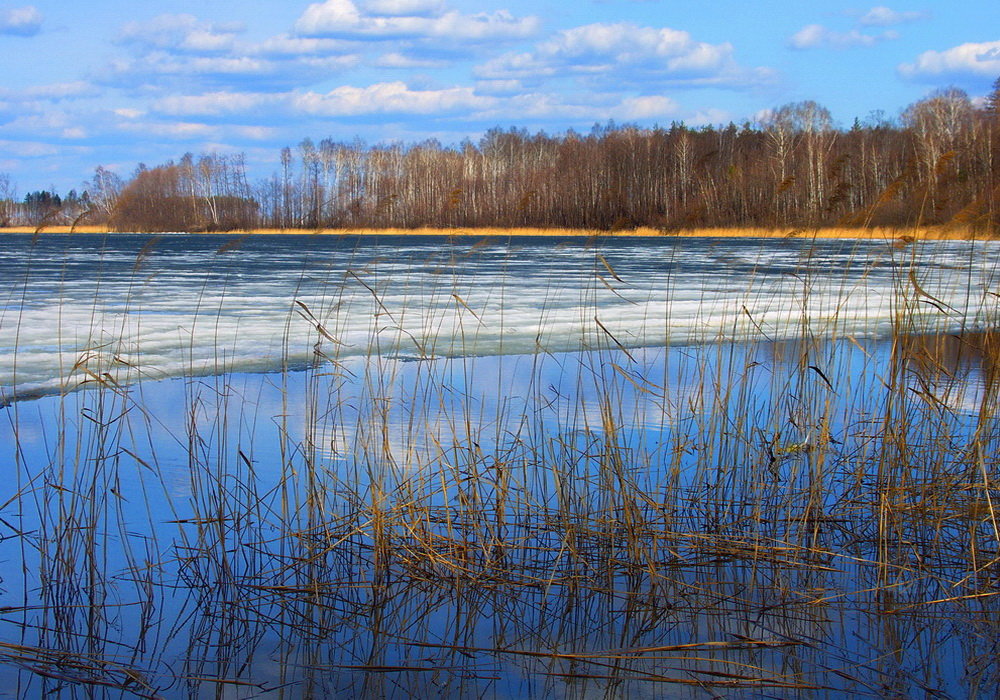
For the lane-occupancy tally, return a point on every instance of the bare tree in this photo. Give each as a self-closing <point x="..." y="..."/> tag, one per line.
<point x="8" y="197"/>
<point x="794" y="168"/>
<point x="104" y="189"/>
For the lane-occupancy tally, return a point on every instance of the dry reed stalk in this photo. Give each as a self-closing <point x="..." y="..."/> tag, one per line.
<point x="958" y="229"/>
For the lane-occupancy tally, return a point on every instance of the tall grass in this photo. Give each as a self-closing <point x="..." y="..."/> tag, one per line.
<point x="799" y="518"/>
<point x="952" y="231"/>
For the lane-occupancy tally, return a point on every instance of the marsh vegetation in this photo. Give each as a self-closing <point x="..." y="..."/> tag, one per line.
<point x="632" y="480"/>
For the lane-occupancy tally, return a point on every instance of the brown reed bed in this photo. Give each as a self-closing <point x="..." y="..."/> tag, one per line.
<point x="905" y="234"/>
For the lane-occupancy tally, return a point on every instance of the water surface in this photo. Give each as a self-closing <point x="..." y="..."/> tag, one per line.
<point x="137" y="306"/>
<point x="376" y="467"/>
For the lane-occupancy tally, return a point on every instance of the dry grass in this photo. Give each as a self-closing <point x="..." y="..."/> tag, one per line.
<point x="905" y="234"/>
<point x="908" y="233"/>
<point x="923" y="233"/>
<point x="54" y="229"/>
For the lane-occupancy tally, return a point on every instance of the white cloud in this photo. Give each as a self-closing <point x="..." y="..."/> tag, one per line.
<point x="214" y="103"/>
<point x="810" y="36"/>
<point x="816" y="36"/>
<point x="161" y="70"/>
<point x="408" y="19"/>
<point x="324" y="66"/>
<point x="500" y="24"/>
<point x="614" y="51"/>
<point x="546" y="106"/>
<point x="21" y="21"/>
<point x="58" y="91"/>
<point x="47" y="120"/>
<point x="181" y="48"/>
<point x="499" y="87"/>
<point x="404" y="8"/>
<point x="211" y="137"/>
<point x="294" y="46"/>
<point x="28" y="149"/>
<point x="398" y="60"/>
<point x="49" y="123"/>
<point x="54" y="91"/>
<point x="188" y="34"/>
<point x="972" y="60"/>
<point x="651" y="107"/>
<point x="161" y="63"/>
<point x="882" y="16"/>
<point x="710" y="116"/>
<point x="396" y="99"/>
<point x="388" y="98"/>
<point x="182" y="33"/>
<point x="255" y="133"/>
<point x="344" y="101"/>
<point x="173" y="130"/>
<point x="587" y="108"/>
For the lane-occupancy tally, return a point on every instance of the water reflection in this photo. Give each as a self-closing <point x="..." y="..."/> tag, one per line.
<point x="958" y="370"/>
<point x="795" y="520"/>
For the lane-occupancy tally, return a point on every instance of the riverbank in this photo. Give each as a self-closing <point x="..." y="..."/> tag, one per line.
<point x="921" y="233"/>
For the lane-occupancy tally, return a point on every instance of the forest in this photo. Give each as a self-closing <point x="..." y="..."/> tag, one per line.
<point x="937" y="164"/>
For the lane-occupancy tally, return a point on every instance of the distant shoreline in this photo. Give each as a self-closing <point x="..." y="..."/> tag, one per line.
<point x="904" y="234"/>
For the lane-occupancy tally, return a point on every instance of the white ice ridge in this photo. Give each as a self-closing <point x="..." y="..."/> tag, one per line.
<point x="121" y="323"/>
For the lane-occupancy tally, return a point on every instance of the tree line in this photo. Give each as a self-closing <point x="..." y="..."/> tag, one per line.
<point x="937" y="164"/>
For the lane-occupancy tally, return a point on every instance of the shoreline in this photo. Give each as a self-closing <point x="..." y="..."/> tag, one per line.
<point x="903" y="234"/>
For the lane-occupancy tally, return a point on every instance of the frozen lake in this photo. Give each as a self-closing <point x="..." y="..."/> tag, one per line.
<point x="374" y="467"/>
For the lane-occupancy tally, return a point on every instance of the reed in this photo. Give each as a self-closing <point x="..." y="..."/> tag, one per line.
<point x="808" y="517"/>
<point x="957" y="232"/>
<point x="950" y="232"/>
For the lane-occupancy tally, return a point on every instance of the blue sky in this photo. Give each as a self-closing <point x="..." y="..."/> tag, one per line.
<point x="115" y="82"/>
